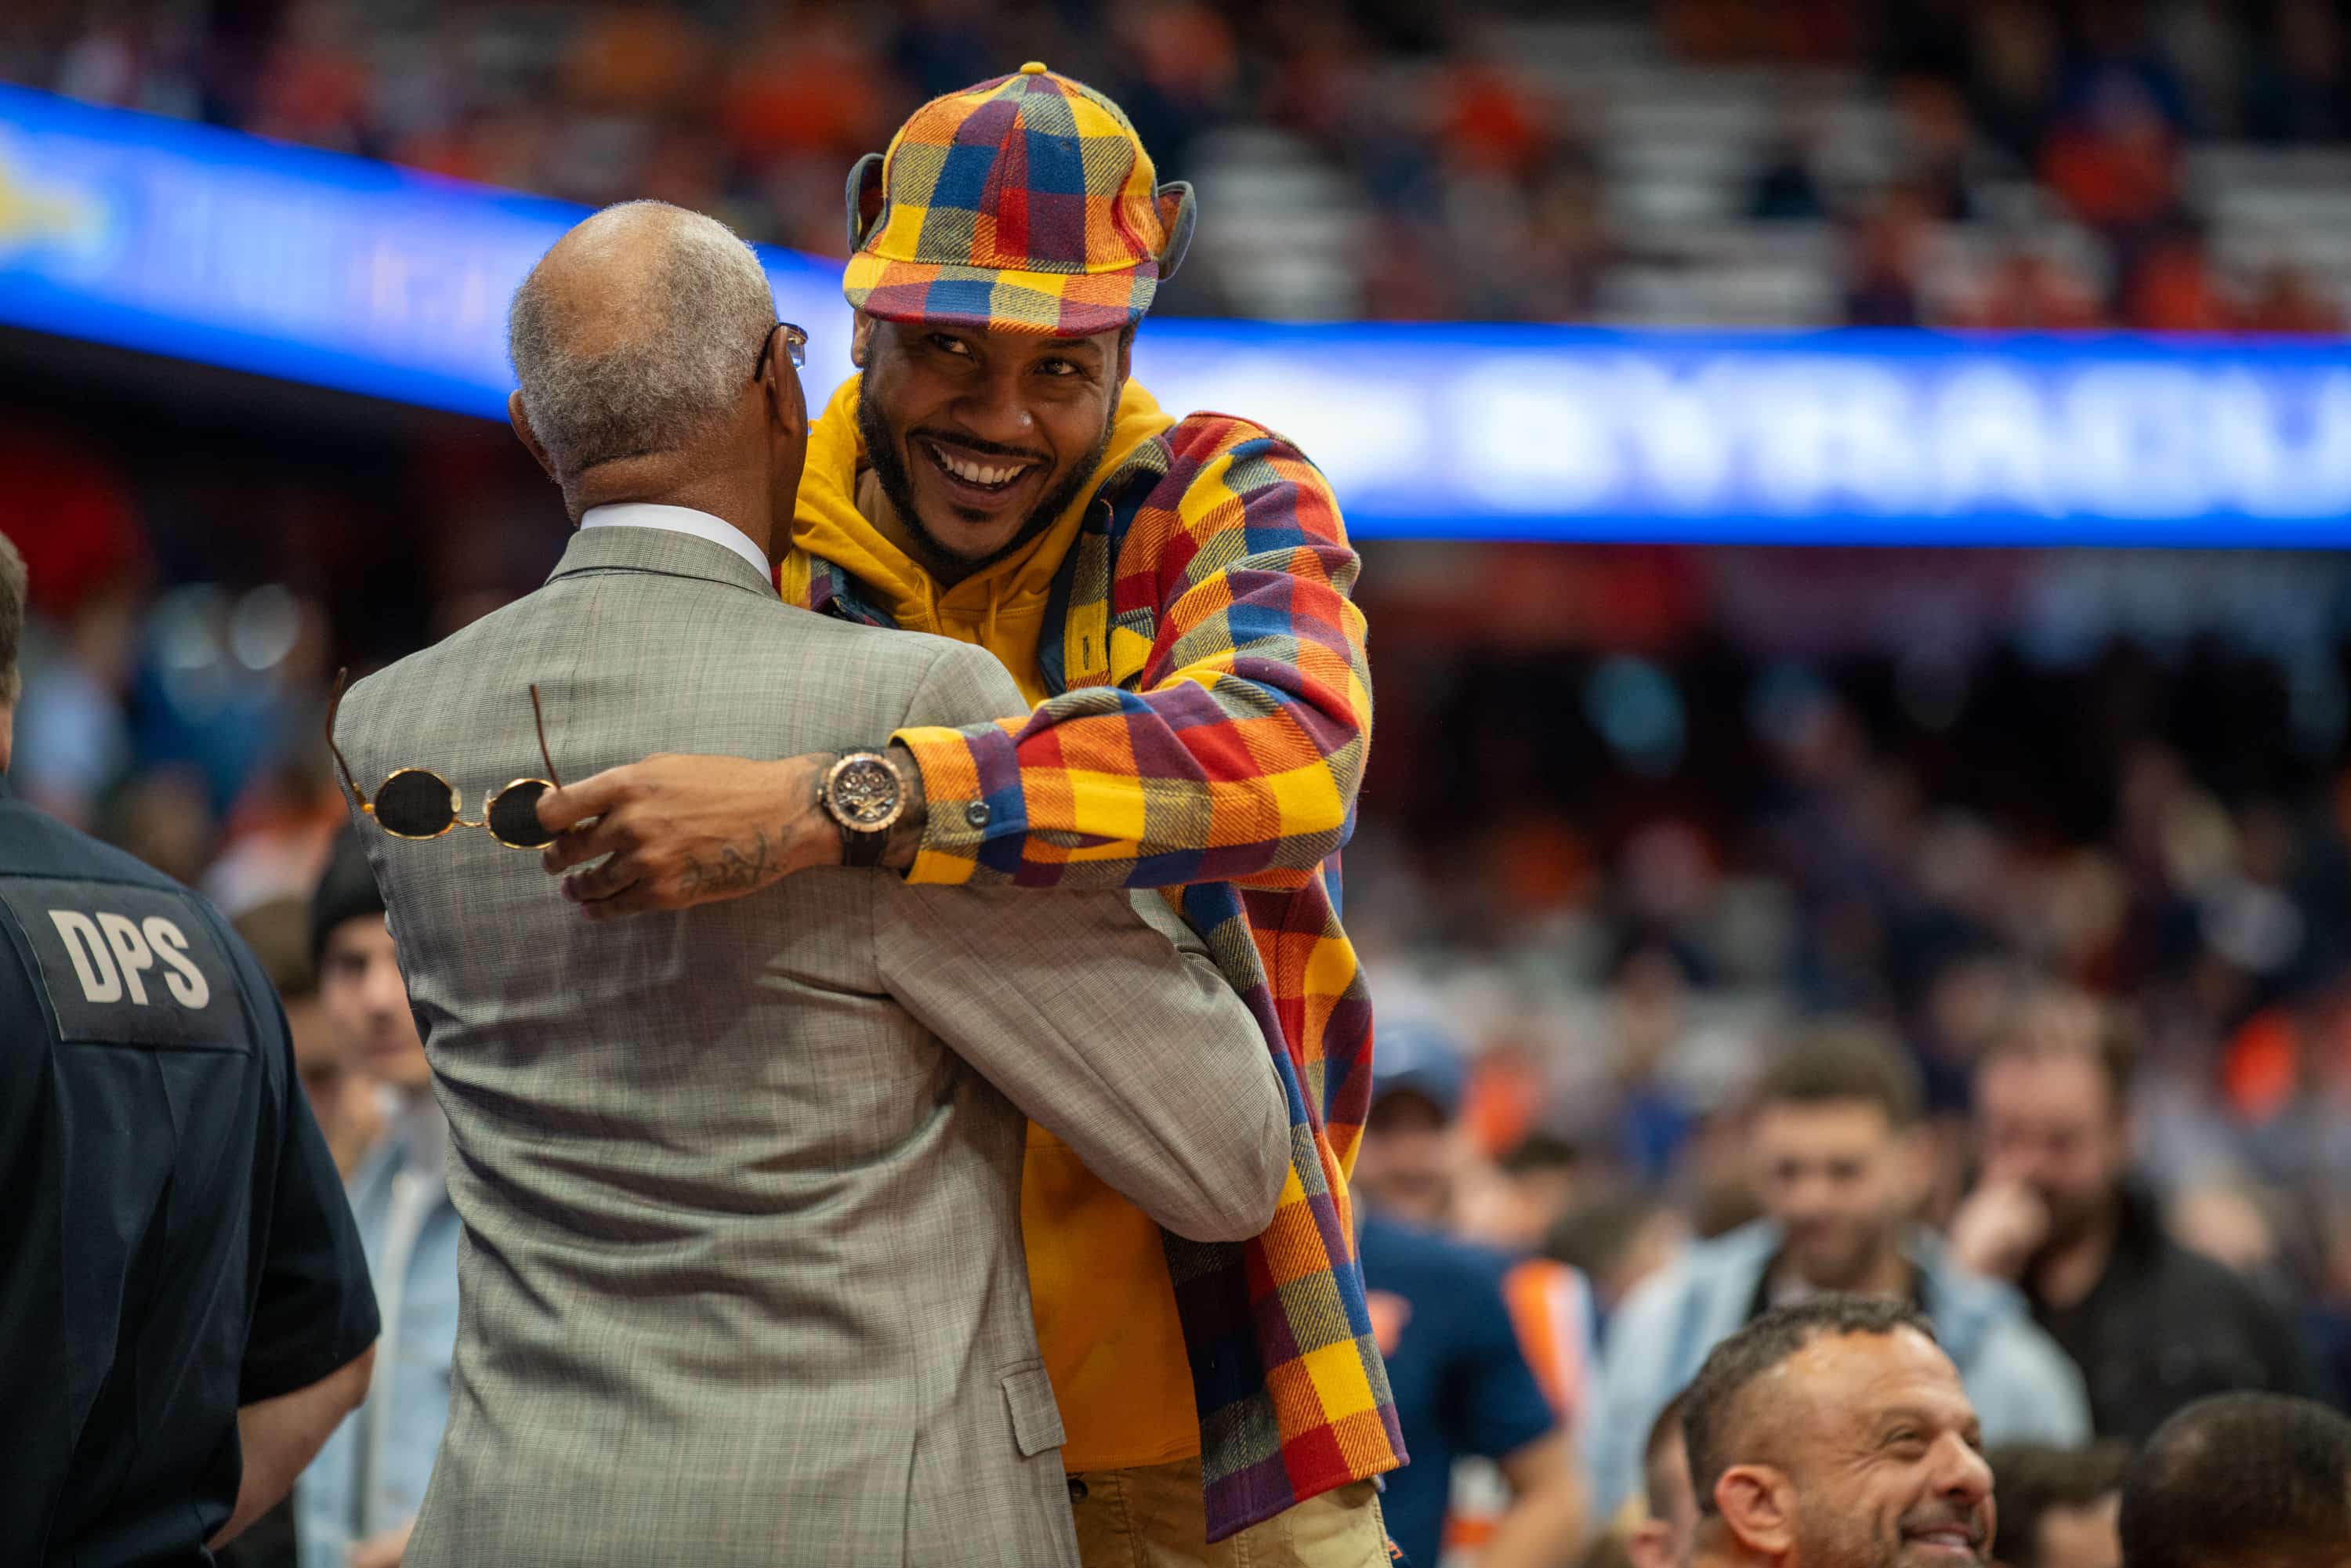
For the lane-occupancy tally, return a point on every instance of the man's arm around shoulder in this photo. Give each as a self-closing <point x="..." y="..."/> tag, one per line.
<point x="1100" y="1016"/>
<point x="1247" y="571"/>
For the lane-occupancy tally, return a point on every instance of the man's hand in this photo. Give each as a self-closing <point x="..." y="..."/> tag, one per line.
<point x="385" y="1550"/>
<point x="2000" y="1226"/>
<point x="683" y="830"/>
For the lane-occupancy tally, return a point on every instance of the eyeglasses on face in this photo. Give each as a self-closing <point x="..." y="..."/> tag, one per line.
<point x="795" y="348"/>
<point x="418" y="803"/>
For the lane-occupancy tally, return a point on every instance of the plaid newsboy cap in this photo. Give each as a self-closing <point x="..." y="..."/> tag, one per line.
<point x="1022" y="204"/>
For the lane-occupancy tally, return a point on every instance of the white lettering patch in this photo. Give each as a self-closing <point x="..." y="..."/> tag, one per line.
<point x="128" y="966"/>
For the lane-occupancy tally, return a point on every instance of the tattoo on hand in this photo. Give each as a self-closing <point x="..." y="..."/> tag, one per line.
<point x="740" y="868"/>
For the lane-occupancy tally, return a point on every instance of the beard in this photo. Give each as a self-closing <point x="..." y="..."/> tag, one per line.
<point x="2072" y="1216"/>
<point x="1833" y="1538"/>
<point x="949" y="564"/>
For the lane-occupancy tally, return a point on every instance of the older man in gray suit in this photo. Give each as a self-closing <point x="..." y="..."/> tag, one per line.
<point x="742" y="1279"/>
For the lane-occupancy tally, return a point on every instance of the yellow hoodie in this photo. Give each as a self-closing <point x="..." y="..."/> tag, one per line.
<point x="1001" y="607"/>
<point x="1105" y="1308"/>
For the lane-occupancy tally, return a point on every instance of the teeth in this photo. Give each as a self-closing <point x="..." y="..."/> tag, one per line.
<point x="975" y="473"/>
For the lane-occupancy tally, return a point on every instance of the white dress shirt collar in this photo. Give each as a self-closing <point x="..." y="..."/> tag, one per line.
<point x="677" y="520"/>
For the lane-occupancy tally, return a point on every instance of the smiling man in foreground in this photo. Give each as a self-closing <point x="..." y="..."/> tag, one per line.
<point x="1171" y="598"/>
<point x="1835" y="1434"/>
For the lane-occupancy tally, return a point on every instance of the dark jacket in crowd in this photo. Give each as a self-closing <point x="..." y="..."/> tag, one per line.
<point x="2165" y="1325"/>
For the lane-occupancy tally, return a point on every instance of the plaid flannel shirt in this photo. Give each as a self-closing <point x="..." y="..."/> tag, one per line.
<point x="1209" y="712"/>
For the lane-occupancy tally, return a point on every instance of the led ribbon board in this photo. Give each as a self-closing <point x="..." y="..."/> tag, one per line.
<point x="315" y="267"/>
<point x="312" y="267"/>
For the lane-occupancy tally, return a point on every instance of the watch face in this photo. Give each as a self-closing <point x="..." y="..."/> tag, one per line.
<point x="864" y="792"/>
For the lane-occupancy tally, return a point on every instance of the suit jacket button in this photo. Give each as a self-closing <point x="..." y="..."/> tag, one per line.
<point x="1076" y="1487"/>
<point x="976" y="814"/>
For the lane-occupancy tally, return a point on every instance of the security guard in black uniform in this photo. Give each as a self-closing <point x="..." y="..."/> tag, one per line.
<point x="185" y="1307"/>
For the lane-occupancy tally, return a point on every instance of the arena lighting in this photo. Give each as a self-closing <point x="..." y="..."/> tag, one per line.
<point x="315" y="267"/>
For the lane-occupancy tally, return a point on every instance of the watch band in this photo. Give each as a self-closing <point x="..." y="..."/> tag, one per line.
<point x="863" y="849"/>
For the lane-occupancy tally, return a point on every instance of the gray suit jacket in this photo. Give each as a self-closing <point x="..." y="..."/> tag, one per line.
<point x="742" y="1279"/>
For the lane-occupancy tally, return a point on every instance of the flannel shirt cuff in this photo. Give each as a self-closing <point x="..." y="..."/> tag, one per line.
<point x="971" y="790"/>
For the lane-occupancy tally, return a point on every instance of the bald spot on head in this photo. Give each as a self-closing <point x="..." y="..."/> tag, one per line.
<point x="599" y="284"/>
<point x="636" y="334"/>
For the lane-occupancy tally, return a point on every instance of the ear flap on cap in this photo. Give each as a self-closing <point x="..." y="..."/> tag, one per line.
<point x="1177" y="213"/>
<point x="864" y="198"/>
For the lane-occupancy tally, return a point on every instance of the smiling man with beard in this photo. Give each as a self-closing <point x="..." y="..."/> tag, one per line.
<point x="1171" y="598"/>
<point x="991" y="498"/>
<point x="1835" y="1434"/>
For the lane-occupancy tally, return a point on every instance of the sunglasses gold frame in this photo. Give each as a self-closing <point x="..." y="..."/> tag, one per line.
<point x="457" y="818"/>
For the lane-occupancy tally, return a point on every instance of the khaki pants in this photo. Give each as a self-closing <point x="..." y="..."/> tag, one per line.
<point x="1152" y="1517"/>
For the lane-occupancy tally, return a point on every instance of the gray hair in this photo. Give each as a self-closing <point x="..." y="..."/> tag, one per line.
<point x="645" y="374"/>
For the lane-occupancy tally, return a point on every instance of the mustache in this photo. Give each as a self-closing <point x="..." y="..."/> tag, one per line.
<point x="974" y="444"/>
<point x="1946" y="1516"/>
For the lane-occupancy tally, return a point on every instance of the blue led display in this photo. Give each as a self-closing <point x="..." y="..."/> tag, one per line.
<point x="1837" y="437"/>
<point x="312" y="267"/>
<point x="315" y="267"/>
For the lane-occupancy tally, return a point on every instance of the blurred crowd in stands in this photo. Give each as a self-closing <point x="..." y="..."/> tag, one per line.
<point x="1622" y="909"/>
<point x="1484" y="180"/>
